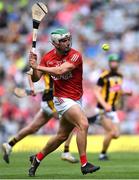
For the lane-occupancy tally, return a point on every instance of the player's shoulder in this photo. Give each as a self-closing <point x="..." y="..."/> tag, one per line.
<point x="104" y="73"/>
<point x="75" y="55"/>
<point x="49" y="53"/>
<point x="74" y="51"/>
<point x="120" y="74"/>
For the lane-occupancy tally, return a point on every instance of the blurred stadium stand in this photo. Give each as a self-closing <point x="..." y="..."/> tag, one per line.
<point x="92" y="23"/>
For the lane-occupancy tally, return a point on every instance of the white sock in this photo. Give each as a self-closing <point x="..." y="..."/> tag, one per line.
<point x="38" y="160"/>
<point x="84" y="165"/>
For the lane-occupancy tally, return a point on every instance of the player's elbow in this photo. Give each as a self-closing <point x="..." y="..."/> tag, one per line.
<point x="97" y="91"/>
<point x="60" y="72"/>
<point x="35" y="79"/>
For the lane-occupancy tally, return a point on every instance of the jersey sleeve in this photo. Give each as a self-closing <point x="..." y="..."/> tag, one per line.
<point x="100" y="82"/>
<point x="75" y="59"/>
<point x="43" y="61"/>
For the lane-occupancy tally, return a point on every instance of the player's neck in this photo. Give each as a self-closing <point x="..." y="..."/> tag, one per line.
<point x="61" y="53"/>
<point x="113" y="71"/>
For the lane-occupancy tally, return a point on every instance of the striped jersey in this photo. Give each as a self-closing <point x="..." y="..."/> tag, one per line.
<point x="111" y="84"/>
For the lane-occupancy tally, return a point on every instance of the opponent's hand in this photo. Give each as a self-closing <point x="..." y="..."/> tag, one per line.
<point x="33" y="60"/>
<point x="107" y="107"/>
<point x="128" y="93"/>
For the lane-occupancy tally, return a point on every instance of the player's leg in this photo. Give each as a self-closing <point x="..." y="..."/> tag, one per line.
<point x="77" y="117"/>
<point x="66" y="155"/>
<point x="41" y="118"/>
<point x="72" y="116"/>
<point x="65" y="129"/>
<point x="112" y="131"/>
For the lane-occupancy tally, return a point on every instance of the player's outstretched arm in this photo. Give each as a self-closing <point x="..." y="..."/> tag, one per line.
<point x="64" y="68"/>
<point x="127" y="93"/>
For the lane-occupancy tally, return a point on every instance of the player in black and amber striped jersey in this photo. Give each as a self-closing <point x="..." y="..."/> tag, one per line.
<point x="108" y="93"/>
<point x="46" y="112"/>
<point x="110" y="83"/>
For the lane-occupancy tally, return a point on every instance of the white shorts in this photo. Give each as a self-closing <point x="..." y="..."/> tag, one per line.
<point x="63" y="104"/>
<point x="48" y="108"/>
<point x="112" y="115"/>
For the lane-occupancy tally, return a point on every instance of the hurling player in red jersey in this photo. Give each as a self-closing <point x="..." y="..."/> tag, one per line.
<point x="64" y="64"/>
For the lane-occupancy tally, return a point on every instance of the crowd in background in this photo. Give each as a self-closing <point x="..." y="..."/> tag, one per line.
<point x="92" y="23"/>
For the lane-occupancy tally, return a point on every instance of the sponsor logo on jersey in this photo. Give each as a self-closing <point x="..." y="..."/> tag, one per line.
<point x="65" y="76"/>
<point x="115" y="88"/>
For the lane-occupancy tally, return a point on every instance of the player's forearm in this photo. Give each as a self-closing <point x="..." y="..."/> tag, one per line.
<point x="51" y="70"/>
<point x="127" y="93"/>
<point x="59" y="70"/>
<point x="100" y="99"/>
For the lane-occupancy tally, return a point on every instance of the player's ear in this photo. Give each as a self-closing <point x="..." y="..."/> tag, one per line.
<point x="55" y="44"/>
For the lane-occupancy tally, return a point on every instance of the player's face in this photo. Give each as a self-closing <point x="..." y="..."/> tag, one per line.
<point x="65" y="44"/>
<point x="114" y="65"/>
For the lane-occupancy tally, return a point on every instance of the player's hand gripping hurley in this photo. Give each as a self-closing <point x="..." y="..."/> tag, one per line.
<point x="39" y="11"/>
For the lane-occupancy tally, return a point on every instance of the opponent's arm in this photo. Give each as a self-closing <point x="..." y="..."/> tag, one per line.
<point x="125" y="89"/>
<point x="100" y="99"/>
<point x="127" y="93"/>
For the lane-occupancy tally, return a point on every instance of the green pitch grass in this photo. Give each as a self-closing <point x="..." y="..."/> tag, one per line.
<point x="121" y="166"/>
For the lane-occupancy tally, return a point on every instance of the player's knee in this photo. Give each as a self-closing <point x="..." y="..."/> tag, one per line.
<point x="62" y="137"/>
<point x="115" y="134"/>
<point x="84" y="125"/>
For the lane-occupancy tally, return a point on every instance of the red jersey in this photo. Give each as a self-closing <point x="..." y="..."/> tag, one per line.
<point x="68" y="85"/>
